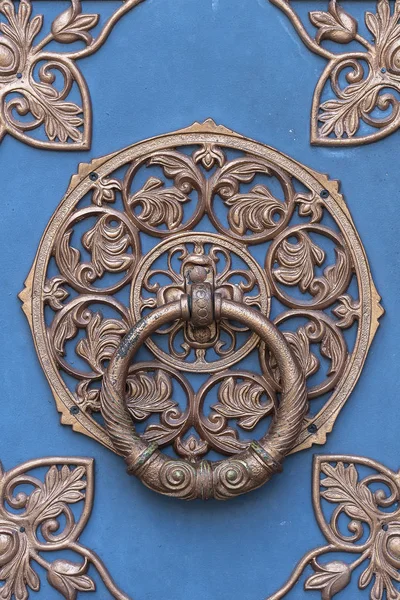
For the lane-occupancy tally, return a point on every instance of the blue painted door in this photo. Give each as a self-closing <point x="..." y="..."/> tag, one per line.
<point x="166" y="64"/>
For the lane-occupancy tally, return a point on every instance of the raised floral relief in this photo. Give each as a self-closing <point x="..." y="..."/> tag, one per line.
<point x="368" y="505"/>
<point x="34" y="108"/>
<point x="361" y="84"/>
<point x="147" y="227"/>
<point x="39" y="516"/>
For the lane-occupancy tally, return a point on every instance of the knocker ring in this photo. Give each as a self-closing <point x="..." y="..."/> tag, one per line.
<point x="205" y="479"/>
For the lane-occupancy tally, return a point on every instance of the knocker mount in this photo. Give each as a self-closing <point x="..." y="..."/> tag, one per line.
<point x="170" y="263"/>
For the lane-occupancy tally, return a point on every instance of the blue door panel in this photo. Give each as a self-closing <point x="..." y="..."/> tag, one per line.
<point x="166" y="64"/>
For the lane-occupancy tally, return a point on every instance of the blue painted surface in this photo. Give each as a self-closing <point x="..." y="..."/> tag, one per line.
<point x="167" y="64"/>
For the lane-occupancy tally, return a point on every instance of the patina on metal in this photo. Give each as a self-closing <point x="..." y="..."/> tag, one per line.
<point x="359" y="86"/>
<point x="39" y="515"/>
<point x="364" y="522"/>
<point x="208" y="249"/>
<point x="30" y="70"/>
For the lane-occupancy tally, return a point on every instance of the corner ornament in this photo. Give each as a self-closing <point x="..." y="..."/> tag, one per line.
<point x="364" y="497"/>
<point x="356" y="98"/>
<point x="164" y="267"/>
<point x="48" y="514"/>
<point x="36" y="83"/>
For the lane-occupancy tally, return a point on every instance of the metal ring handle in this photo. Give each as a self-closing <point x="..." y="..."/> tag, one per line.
<point x="218" y="479"/>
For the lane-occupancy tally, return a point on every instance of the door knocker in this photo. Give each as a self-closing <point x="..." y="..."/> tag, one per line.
<point x="237" y="280"/>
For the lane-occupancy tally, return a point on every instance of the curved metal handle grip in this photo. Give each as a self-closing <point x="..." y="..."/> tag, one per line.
<point x="219" y="479"/>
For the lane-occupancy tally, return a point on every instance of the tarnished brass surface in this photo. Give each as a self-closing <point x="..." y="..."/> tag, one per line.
<point x="189" y="225"/>
<point x="29" y="69"/>
<point x="41" y="515"/>
<point x="360" y="86"/>
<point x="364" y="520"/>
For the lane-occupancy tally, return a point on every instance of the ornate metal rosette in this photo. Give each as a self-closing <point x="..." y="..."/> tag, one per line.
<point x="42" y="516"/>
<point x="356" y="504"/>
<point x="356" y="99"/>
<point x="38" y="105"/>
<point x="198" y="244"/>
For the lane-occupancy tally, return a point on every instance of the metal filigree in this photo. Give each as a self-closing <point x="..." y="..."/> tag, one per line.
<point x="35" y="107"/>
<point x="356" y="98"/>
<point x="207" y="215"/>
<point x="39" y="515"/>
<point x="364" y="495"/>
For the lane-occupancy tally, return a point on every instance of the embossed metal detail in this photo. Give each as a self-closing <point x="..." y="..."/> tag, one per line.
<point x="39" y="515"/>
<point x="356" y="98"/>
<point x="186" y="226"/>
<point x="364" y="496"/>
<point x="32" y="99"/>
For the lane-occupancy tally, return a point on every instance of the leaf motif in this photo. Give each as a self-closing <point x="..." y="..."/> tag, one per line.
<point x="242" y="170"/>
<point x="61" y="487"/>
<point x="107" y="245"/>
<point x="331" y="349"/>
<point x="88" y="398"/>
<point x="160" y="205"/>
<point x="18" y="574"/>
<point x="191" y="448"/>
<point x="347" y="311"/>
<point x="335" y="25"/>
<point x="53" y="292"/>
<point x="63" y="120"/>
<point x="103" y="337"/>
<point x="330" y="579"/>
<point x="343" y="487"/>
<point x="105" y="191"/>
<point x="65" y="331"/>
<point x="341" y="116"/>
<point x="69" y="578"/>
<point x="310" y="205"/>
<point x="254" y="211"/>
<point x="149" y="394"/>
<point x="300" y="345"/>
<point x="242" y="401"/>
<point x="297" y="261"/>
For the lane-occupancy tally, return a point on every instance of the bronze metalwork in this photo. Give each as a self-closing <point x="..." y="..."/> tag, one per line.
<point x="31" y="99"/>
<point x="353" y="101"/>
<point x="206" y="247"/>
<point x="368" y="504"/>
<point x="39" y="515"/>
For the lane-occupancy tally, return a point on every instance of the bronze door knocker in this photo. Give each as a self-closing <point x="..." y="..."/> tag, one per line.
<point x="208" y="253"/>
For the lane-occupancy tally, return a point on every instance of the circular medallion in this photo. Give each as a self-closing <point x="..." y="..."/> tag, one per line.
<point x="210" y="218"/>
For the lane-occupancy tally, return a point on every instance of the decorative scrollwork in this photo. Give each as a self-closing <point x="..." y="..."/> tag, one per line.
<point x="361" y="85"/>
<point x="29" y="75"/>
<point x="39" y="516"/>
<point x="368" y="505"/>
<point x="174" y="217"/>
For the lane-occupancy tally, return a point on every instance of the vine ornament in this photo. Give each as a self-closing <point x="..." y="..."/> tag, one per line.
<point x="150" y="251"/>
<point x="32" y="99"/>
<point x="368" y="503"/>
<point x="355" y="101"/>
<point x="38" y="515"/>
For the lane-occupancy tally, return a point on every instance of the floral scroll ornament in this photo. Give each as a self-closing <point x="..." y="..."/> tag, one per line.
<point x="361" y="86"/>
<point x="36" y="83"/>
<point x="38" y="515"/>
<point x="369" y="503"/>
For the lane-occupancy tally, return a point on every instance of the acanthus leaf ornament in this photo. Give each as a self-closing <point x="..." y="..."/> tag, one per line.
<point x="368" y="503"/>
<point x="34" y="107"/>
<point x="355" y="100"/>
<point x="199" y="300"/>
<point x="42" y="515"/>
